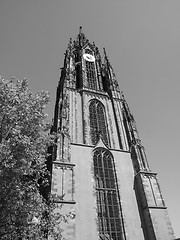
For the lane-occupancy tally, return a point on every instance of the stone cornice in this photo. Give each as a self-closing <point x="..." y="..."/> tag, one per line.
<point x="92" y="146"/>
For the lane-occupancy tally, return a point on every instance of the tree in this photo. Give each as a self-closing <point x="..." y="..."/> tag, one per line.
<point x="23" y="148"/>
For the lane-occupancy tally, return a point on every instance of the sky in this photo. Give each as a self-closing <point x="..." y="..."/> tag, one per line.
<point x="142" y="41"/>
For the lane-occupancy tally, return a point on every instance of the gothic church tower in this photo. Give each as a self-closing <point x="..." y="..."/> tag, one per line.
<point x="99" y="167"/>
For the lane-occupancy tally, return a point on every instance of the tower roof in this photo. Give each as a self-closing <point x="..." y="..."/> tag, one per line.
<point x="81" y="39"/>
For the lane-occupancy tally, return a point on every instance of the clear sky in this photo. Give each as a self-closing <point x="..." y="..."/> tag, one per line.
<point x="142" y="40"/>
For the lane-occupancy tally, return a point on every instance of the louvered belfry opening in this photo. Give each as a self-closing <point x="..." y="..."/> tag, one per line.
<point x="91" y="76"/>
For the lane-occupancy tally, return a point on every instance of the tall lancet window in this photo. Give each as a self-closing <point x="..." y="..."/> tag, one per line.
<point x="91" y="76"/>
<point x="98" y="124"/>
<point x="90" y="69"/>
<point x="108" y="205"/>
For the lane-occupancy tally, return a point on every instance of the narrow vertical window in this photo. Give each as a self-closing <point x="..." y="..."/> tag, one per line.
<point x="98" y="124"/>
<point x="91" y="77"/>
<point x="110" y="224"/>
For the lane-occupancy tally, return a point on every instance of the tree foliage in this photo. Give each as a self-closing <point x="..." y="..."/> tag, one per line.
<point x="23" y="144"/>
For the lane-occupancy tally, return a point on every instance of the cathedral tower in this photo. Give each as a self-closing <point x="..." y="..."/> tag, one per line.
<point x="99" y="166"/>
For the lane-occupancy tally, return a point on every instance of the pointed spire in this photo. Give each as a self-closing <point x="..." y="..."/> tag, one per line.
<point x="106" y="59"/>
<point x="70" y="43"/>
<point x="81" y="39"/>
<point x="105" y="55"/>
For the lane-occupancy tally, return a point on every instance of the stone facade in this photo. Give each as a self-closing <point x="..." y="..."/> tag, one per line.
<point x="121" y="201"/>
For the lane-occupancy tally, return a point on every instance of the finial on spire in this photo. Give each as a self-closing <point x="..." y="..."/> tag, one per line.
<point x="104" y="50"/>
<point x="122" y="93"/>
<point x="81" y="37"/>
<point x="70" y="43"/>
<point x="105" y="56"/>
<point x="81" y="40"/>
<point x="80" y="30"/>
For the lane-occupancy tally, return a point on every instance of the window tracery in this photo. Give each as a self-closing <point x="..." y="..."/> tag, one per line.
<point x="98" y="123"/>
<point x="108" y="206"/>
<point x="91" y="76"/>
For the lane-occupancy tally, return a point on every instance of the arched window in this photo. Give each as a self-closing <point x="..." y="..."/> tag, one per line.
<point x="110" y="224"/>
<point x="91" y="76"/>
<point x="98" y="123"/>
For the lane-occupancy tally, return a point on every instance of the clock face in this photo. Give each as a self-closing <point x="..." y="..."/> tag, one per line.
<point x="88" y="57"/>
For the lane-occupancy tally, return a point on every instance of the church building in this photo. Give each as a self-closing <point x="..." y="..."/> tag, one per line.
<point x="100" y="172"/>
